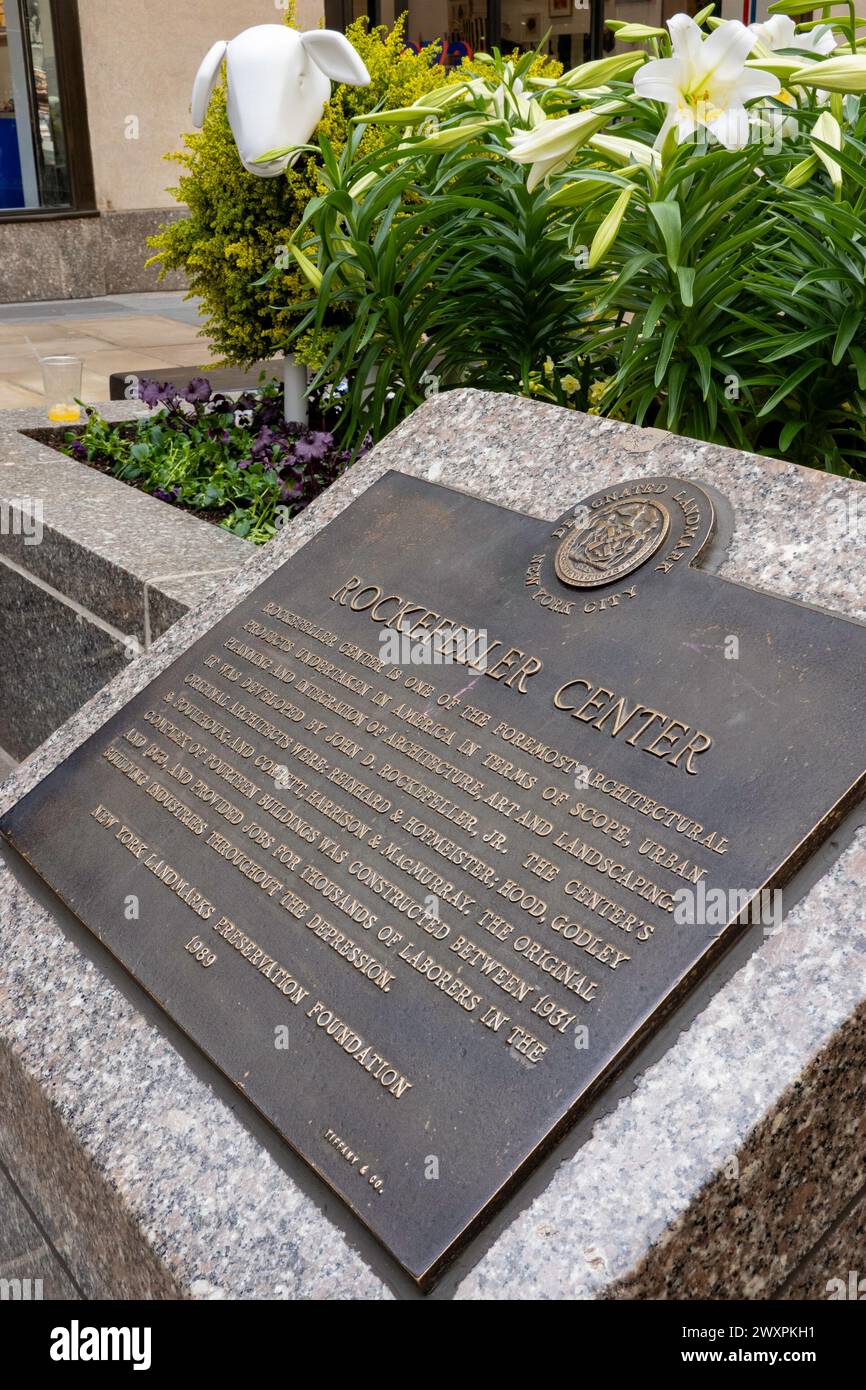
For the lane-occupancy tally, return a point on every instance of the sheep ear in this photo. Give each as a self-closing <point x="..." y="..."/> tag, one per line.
<point x="205" y="81"/>
<point x="332" y="52"/>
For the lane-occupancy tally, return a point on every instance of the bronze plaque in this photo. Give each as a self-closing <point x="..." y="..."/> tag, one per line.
<point x="421" y="840"/>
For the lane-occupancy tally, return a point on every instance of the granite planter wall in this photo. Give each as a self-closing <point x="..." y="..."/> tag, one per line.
<point x="91" y="572"/>
<point x="726" y="1161"/>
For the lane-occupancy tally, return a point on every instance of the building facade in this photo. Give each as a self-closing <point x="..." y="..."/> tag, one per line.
<point x="93" y="93"/>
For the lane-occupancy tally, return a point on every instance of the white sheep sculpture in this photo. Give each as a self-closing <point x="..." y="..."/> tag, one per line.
<point x="278" y="81"/>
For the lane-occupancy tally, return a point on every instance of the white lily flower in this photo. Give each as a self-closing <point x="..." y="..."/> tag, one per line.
<point x="706" y="83"/>
<point x="550" y="145"/>
<point x="780" y="31"/>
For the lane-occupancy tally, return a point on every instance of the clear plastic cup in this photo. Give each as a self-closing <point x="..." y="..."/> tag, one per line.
<point x="61" y="377"/>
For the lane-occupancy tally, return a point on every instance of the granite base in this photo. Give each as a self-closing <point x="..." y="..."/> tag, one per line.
<point x="728" y="1161"/>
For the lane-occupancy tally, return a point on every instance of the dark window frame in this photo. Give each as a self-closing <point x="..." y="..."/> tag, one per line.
<point x="73" y="104"/>
<point x="338" y="13"/>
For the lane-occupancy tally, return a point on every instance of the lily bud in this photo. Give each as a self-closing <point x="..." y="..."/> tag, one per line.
<point x="447" y="139"/>
<point x="609" y="229"/>
<point x="636" y="33"/>
<point x="844" y="74"/>
<point x="779" y="66"/>
<point x="801" y="173"/>
<point x="549" y="146"/>
<point x="623" y="151"/>
<point x="311" y="272"/>
<point x="827" y="128"/>
<point x="601" y="70"/>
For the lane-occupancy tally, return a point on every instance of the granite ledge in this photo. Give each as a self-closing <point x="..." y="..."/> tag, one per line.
<point x="837" y="1269"/>
<point x="693" y="1188"/>
<point x="778" y="1025"/>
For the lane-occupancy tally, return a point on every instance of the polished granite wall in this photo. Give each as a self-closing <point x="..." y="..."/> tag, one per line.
<point x="79" y="257"/>
<point x="113" y="569"/>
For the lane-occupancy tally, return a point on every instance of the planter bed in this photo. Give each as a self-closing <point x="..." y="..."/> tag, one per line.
<point x="235" y="463"/>
<point x="55" y="439"/>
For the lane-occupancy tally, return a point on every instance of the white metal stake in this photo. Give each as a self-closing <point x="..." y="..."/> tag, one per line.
<point x="295" y="404"/>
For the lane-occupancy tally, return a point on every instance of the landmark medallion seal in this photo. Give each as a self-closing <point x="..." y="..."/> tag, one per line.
<point x="616" y="540"/>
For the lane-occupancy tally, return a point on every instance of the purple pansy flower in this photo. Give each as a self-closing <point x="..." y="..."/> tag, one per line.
<point x="314" y="447"/>
<point x="155" y="392"/>
<point x="197" y="392"/>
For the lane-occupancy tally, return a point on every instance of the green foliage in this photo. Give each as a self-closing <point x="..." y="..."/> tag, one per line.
<point x="660" y="299"/>
<point x="730" y="302"/>
<point x="801" y="349"/>
<point x="443" y="265"/>
<point x="566" y="236"/>
<point x="717" y="292"/>
<point x="238" y="222"/>
<point x="237" y="463"/>
<point x="732" y="307"/>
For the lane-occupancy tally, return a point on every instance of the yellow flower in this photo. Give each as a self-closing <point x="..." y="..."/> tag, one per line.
<point x="570" y="384"/>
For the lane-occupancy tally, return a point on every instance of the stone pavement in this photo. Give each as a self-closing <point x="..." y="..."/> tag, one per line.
<point x="125" y="332"/>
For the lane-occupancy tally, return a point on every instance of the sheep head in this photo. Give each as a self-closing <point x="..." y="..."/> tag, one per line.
<point x="278" y="82"/>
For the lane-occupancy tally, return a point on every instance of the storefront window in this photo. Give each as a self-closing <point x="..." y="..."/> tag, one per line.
<point x="34" y="169"/>
<point x="339" y="14"/>
<point x="566" y="25"/>
<point x="466" y="25"/>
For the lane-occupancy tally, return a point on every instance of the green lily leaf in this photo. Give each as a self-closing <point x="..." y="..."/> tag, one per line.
<point x="667" y="216"/>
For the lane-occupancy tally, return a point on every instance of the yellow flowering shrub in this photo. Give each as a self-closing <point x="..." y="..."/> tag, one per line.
<point x="239" y="223"/>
